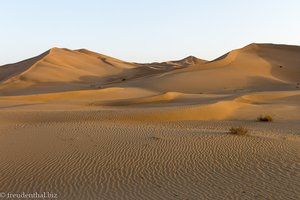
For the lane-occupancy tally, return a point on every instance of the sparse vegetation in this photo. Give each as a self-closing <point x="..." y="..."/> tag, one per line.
<point x="155" y="138"/>
<point x="265" y="118"/>
<point x="238" y="130"/>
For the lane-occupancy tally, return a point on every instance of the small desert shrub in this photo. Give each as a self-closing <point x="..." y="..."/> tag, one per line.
<point x="265" y="118"/>
<point x="123" y="79"/>
<point x="238" y="131"/>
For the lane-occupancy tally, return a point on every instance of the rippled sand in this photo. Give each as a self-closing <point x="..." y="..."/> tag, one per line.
<point x="96" y="158"/>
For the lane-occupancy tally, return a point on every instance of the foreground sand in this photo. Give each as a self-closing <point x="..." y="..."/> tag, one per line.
<point x="96" y="159"/>
<point x="113" y="153"/>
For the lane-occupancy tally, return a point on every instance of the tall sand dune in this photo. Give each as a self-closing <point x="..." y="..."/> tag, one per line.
<point x="63" y="69"/>
<point x="254" y="67"/>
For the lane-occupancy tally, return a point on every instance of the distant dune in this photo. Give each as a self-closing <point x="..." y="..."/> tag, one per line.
<point x="89" y="126"/>
<point x="63" y="69"/>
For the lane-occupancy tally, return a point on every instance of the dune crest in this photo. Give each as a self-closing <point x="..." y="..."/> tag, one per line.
<point x="254" y="67"/>
<point x="61" y="69"/>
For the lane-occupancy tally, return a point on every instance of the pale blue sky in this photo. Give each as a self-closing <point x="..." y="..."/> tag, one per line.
<point x="144" y="31"/>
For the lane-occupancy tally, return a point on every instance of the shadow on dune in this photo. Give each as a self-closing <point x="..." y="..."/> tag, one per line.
<point x="284" y="59"/>
<point x="10" y="70"/>
<point x="106" y="62"/>
<point x="219" y="58"/>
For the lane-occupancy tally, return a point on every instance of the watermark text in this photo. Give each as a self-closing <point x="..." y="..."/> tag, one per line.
<point x="24" y="195"/>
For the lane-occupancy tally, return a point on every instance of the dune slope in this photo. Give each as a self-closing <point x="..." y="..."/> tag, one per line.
<point x="254" y="67"/>
<point x="63" y="69"/>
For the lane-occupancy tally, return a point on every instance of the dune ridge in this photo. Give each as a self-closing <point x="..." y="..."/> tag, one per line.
<point x="254" y="67"/>
<point x="74" y="70"/>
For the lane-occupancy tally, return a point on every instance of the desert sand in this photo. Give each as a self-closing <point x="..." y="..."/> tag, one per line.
<point x="88" y="126"/>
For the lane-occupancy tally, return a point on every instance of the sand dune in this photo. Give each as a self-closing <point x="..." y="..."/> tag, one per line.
<point x="254" y="67"/>
<point x="89" y="126"/>
<point x="63" y="70"/>
<point x="186" y="62"/>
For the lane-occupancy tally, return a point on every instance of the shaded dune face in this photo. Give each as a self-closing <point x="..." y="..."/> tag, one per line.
<point x="284" y="59"/>
<point x="10" y="70"/>
<point x="277" y="61"/>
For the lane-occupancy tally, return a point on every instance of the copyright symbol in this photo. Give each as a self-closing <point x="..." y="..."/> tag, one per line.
<point x="2" y="195"/>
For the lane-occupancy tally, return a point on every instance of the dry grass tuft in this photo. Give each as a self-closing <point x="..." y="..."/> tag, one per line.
<point x="238" y="130"/>
<point x="265" y="118"/>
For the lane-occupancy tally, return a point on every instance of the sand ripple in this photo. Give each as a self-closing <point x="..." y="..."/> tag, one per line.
<point x="111" y="160"/>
